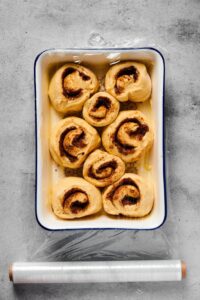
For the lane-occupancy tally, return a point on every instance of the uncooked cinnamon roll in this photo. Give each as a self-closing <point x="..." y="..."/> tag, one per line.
<point x="128" y="81"/>
<point x="74" y="197"/>
<point x="71" y="86"/>
<point x="130" y="196"/>
<point x="71" y="141"/>
<point x="101" y="109"/>
<point x="128" y="136"/>
<point x="102" y="169"/>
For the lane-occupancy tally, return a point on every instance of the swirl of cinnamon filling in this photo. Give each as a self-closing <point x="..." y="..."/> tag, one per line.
<point x="101" y="109"/>
<point x="129" y="196"/>
<point x="128" y="136"/>
<point x="128" y="81"/>
<point x="102" y="169"/>
<point x="73" y="197"/>
<point x="71" y="86"/>
<point x="71" y="141"/>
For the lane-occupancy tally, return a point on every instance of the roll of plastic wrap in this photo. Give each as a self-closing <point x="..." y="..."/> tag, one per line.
<point x="99" y="271"/>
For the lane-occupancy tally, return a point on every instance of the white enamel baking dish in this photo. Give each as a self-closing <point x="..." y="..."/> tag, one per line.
<point x="153" y="165"/>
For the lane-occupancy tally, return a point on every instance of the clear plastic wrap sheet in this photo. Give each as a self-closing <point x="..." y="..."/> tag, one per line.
<point x="88" y="245"/>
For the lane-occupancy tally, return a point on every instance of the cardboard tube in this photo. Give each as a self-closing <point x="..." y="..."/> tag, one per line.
<point x="99" y="271"/>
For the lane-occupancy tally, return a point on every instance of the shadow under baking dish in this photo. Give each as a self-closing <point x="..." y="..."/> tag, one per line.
<point x="152" y="167"/>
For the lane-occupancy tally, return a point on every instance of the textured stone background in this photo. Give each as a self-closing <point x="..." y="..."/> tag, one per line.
<point x="28" y="27"/>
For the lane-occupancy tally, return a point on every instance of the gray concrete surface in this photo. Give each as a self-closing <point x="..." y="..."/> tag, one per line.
<point x="28" y="27"/>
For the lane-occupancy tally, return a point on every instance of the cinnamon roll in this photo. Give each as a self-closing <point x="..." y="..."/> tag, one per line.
<point x="74" y="197"/>
<point x="101" y="109"/>
<point x="102" y="169"/>
<point x="128" y="81"/>
<point x="71" y="141"/>
<point x="71" y="86"/>
<point x="130" y="196"/>
<point x="128" y="136"/>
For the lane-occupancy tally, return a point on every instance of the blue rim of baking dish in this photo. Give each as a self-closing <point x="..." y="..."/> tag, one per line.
<point x="163" y="135"/>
